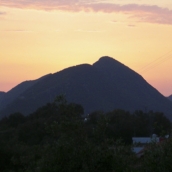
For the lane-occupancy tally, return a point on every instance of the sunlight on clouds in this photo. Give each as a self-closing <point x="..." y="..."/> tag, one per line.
<point x="2" y="13"/>
<point x="142" y="12"/>
<point x="36" y="41"/>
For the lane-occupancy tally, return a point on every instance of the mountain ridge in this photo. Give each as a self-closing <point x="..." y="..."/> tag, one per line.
<point x="105" y="85"/>
<point x="16" y="91"/>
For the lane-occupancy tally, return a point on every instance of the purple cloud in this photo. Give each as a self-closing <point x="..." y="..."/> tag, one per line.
<point x="143" y="13"/>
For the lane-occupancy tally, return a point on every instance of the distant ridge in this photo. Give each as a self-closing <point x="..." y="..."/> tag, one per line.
<point x="105" y="85"/>
<point x="15" y="92"/>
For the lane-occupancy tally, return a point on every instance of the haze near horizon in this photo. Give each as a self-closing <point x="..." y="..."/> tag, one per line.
<point x="41" y="37"/>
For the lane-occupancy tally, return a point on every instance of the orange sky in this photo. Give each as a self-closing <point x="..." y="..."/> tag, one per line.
<point x="41" y="37"/>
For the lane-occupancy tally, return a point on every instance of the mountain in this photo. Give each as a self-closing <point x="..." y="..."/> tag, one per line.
<point x="16" y="92"/>
<point x="105" y="85"/>
<point x="170" y="98"/>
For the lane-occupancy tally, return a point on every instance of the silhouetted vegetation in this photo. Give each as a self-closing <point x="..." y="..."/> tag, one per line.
<point x="59" y="137"/>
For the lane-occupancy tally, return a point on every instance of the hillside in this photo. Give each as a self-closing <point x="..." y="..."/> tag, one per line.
<point x="16" y="92"/>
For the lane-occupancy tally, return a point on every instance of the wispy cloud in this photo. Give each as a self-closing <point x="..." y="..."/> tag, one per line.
<point x="17" y="30"/>
<point x="89" y="31"/>
<point x="2" y="13"/>
<point x="131" y="25"/>
<point x="143" y="13"/>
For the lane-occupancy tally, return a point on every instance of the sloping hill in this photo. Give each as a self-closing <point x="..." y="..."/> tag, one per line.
<point x="16" y="92"/>
<point x="105" y="85"/>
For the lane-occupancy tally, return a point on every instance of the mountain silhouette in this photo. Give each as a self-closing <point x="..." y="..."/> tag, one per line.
<point x="16" y="92"/>
<point x="105" y="85"/>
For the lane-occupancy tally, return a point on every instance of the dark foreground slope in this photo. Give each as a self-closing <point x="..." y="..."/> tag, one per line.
<point x="105" y="85"/>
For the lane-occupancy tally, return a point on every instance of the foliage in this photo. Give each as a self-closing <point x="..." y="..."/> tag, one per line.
<point x="57" y="137"/>
<point x="158" y="157"/>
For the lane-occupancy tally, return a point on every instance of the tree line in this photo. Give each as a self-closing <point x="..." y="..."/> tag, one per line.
<point x="59" y="137"/>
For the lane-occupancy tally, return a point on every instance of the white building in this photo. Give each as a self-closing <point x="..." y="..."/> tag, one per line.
<point x="139" y="143"/>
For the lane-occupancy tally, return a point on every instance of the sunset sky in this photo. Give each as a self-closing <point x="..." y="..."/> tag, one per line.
<point x="38" y="37"/>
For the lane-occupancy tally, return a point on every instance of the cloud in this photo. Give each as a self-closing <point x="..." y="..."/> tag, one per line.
<point x="2" y="13"/>
<point x="143" y="13"/>
<point x="113" y="21"/>
<point x="131" y="25"/>
<point x="89" y="31"/>
<point x="17" y="30"/>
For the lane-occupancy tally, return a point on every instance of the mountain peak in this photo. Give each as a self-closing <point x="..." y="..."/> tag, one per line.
<point x="107" y="59"/>
<point x="107" y="62"/>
